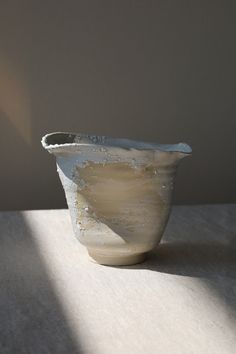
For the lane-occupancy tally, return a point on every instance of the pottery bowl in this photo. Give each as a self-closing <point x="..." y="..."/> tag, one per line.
<point x="118" y="192"/>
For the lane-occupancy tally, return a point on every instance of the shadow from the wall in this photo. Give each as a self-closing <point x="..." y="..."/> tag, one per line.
<point x="32" y="318"/>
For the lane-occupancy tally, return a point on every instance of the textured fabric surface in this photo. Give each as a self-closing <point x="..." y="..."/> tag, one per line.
<point x="53" y="299"/>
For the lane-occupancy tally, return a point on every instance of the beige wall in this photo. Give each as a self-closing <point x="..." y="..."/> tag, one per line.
<point x="152" y="70"/>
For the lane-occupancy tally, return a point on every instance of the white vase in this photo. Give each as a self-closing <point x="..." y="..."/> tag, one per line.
<point x="118" y="192"/>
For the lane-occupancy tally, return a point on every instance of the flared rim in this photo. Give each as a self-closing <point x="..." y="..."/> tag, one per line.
<point x="64" y="139"/>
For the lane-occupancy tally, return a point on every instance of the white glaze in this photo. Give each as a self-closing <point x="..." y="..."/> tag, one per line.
<point x="118" y="192"/>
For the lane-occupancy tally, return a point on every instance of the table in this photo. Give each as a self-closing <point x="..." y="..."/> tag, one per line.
<point x="53" y="299"/>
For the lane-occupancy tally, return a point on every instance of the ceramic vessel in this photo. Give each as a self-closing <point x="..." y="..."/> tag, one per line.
<point x="118" y="192"/>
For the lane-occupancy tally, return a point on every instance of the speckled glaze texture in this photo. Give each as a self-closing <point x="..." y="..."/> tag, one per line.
<point x="118" y="192"/>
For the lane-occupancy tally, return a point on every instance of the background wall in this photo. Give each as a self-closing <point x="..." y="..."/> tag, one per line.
<point x="153" y="70"/>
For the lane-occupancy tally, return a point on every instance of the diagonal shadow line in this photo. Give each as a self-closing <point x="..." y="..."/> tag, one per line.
<point x="213" y="263"/>
<point x="32" y="319"/>
<point x="205" y="250"/>
<point x="203" y="260"/>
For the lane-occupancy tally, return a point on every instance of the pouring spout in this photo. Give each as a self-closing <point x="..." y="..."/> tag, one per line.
<point x="172" y="154"/>
<point x="181" y="150"/>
